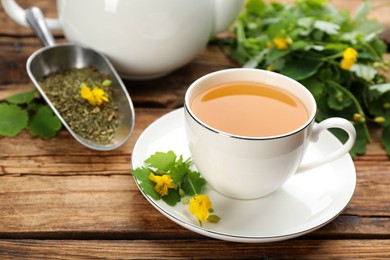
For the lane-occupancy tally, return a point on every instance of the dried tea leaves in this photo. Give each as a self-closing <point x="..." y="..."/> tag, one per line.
<point x="97" y="123"/>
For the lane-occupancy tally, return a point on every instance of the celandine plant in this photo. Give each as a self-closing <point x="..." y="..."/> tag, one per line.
<point x="171" y="179"/>
<point x="336" y="55"/>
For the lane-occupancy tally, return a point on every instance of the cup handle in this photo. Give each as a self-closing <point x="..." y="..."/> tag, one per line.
<point x="18" y="14"/>
<point x="314" y="136"/>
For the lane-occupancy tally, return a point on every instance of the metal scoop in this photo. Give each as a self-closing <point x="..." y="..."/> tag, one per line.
<point x="54" y="58"/>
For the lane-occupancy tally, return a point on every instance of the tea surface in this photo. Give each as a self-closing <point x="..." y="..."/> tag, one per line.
<point x="250" y="109"/>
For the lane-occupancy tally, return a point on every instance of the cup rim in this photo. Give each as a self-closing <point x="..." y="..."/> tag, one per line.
<point x="308" y="122"/>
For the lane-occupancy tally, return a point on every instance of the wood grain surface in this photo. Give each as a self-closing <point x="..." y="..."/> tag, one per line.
<point x="59" y="200"/>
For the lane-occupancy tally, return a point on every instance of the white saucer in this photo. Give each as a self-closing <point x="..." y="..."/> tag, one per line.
<point x="306" y="202"/>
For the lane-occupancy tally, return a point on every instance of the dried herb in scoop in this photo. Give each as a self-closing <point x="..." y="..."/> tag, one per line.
<point x="83" y="98"/>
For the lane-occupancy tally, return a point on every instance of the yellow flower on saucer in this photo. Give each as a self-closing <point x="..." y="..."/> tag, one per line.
<point x="199" y="206"/>
<point x="163" y="182"/>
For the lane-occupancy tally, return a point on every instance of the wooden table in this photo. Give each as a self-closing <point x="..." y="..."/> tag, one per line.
<point x="61" y="200"/>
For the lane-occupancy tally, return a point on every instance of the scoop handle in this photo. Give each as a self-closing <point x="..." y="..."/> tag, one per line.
<point x="37" y="22"/>
<point x="17" y="13"/>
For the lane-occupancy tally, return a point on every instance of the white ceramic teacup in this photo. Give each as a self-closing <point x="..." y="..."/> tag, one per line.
<point x="251" y="167"/>
<point x="143" y="39"/>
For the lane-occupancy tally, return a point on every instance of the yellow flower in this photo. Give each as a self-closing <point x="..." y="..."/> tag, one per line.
<point x="162" y="183"/>
<point x="199" y="206"/>
<point x="95" y="97"/>
<point x="349" y="58"/>
<point x="282" y="43"/>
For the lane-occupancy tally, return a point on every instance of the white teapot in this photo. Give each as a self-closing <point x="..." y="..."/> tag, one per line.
<point x="143" y="38"/>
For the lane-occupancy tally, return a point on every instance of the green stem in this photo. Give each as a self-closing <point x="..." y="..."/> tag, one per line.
<point x="240" y="33"/>
<point x="192" y="186"/>
<point x="331" y="57"/>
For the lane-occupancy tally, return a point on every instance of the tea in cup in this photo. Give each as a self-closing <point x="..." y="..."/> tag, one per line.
<point x="248" y="130"/>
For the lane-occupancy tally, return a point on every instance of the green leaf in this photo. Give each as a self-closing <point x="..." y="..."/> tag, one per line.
<point x="255" y="6"/>
<point x="193" y="183"/>
<point x="329" y="28"/>
<point x="141" y="173"/>
<point x="21" y="98"/>
<point x="34" y="106"/>
<point x="369" y="29"/>
<point x="386" y="138"/>
<point x="316" y="3"/>
<point x="364" y="71"/>
<point x="276" y="54"/>
<point x="306" y="22"/>
<point x="362" y="11"/>
<point x="44" y="123"/>
<point x="381" y="88"/>
<point x="316" y="87"/>
<point x="359" y="147"/>
<point x="377" y="105"/>
<point x="148" y="187"/>
<point x="338" y="101"/>
<point x="339" y="47"/>
<point x="254" y="62"/>
<point x="172" y="198"/>
<point x="300" y="68"/>
<point x="161" y="160"/>
<point x="178" y="171"/>
<point x="13" y="119"/>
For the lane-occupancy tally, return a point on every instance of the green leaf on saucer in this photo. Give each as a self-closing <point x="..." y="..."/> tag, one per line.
<point x="162" y="161"/>
<point x="141" y="173"/>
<point x="178" y="172"/>
<point x="193" y="183"/>
<point x="172" y="198"/>
<point x="148" y="187"/>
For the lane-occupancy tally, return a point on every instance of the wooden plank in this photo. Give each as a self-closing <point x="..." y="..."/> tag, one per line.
<point x="194" y="249"/>
<point x="85" y="206"/>
<point x="78" y="206"/>
<point x="14" y="53"/>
